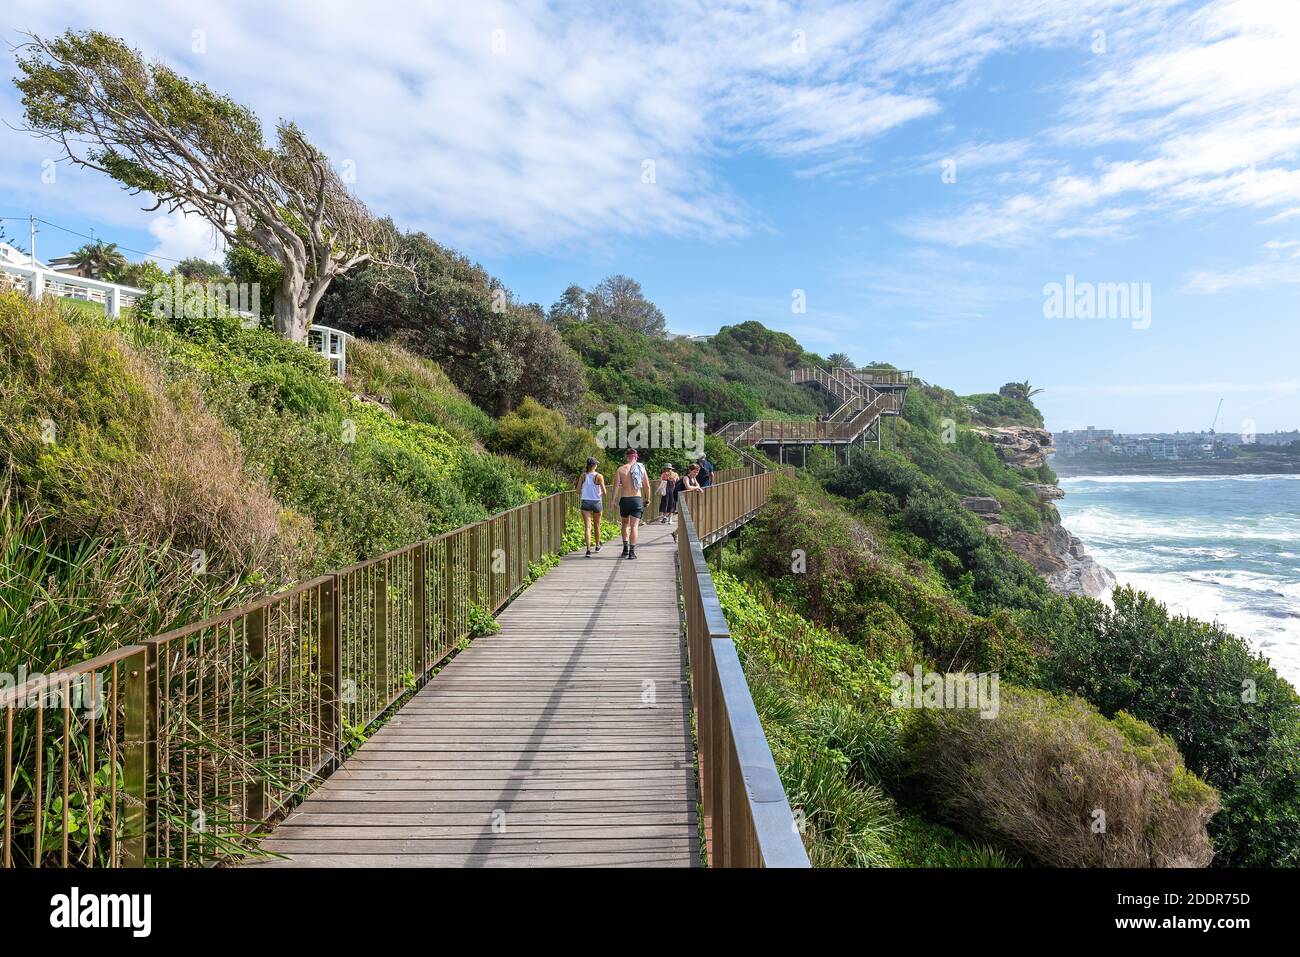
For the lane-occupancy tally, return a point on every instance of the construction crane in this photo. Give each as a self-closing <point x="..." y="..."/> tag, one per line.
<point x="1216" y="416"/>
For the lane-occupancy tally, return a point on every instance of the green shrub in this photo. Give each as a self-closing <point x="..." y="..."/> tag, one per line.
<point x="367" y="477"/>
<point x="98" y="437"/>
<point x="921" y="843"/>
<point x="1000" y="579"/>
<point x="65" y="602"/>
<point x="540" y="435"/>
<point x="824" y="705"/>
<point x="994" y="409"/>
<point x="848" y="581"/>
<point x="416" y="389"/>
<point x="1228" y="711"/>
<point x="356" y="512"/>
<point x="1052" y="778"/>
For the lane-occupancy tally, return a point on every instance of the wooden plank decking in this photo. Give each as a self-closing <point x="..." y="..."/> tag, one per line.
<point x="562" y="740"/>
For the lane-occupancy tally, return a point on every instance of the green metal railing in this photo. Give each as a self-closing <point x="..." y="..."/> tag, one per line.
<point x="150" y="752"/>
<point x="159" y="751"/>
<point x="747" y="817"/>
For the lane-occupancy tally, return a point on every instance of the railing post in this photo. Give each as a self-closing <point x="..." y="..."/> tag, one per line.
<point x="255" y="651"/>
<point x="520" y="565"/>
<point x="135" y="763"/>
<point x="329" y="639"/>
<point x="473" y="561"/>
<point x="720" y="764"/>
<point x="153" y="751"/>
<point x="421" y="612"/>
<point x="448" y="595"/>
<point x="381" y="632"/>
<point x="492" y="576"/>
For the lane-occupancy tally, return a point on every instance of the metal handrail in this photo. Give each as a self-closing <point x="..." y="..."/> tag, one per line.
<point x="748" y="821"/>
<point x="336" y="652"/>
<point x="882" y="376"/>
<point x="802" y="430"/>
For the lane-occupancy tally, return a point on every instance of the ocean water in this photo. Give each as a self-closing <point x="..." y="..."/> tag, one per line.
<point x="1222" y="548"/>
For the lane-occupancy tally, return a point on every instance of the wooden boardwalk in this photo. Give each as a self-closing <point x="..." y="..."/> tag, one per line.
<point x="562" y="740"/>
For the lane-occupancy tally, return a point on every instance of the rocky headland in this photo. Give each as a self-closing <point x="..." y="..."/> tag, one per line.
<point x="1053" y="550"/>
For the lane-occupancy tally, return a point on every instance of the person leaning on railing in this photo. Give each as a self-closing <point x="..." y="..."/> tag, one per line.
<point x="690" y="482"/>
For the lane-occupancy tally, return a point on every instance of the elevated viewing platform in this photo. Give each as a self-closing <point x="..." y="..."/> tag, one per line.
<point x="866" y="396"/>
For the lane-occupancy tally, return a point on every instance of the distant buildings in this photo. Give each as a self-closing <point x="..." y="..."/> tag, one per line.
<point x="68" y="266"/>
<point x="18" y="270"/>
<point x="1083" y="441"/>
<point x="1092" y="443"/>
<point x="686" y="337"/>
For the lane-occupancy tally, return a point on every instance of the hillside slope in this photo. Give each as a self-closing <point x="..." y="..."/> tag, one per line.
<point x="159" y="470"/>
<point x="894" y="562"/>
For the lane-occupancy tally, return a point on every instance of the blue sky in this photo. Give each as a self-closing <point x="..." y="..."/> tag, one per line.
<point x="802" y="147"/>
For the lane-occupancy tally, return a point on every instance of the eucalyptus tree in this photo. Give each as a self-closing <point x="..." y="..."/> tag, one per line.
<point x="194" y="150"/>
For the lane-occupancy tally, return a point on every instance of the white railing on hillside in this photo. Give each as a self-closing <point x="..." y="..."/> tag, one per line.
<point x="46" y="282"/>
<point x="329" y="342"/>
<point x="332" y="344"/>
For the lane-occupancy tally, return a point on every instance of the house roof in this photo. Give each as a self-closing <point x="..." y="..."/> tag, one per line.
<point x="16" y="257"/>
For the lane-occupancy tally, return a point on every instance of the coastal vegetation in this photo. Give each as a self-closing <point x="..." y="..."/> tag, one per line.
<point x="178" y="461"/>
<point x="896" y="573"/>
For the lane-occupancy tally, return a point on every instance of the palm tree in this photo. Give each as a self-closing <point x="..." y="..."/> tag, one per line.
<point x="1019" y="390"/>
<point x="99" y="260"/>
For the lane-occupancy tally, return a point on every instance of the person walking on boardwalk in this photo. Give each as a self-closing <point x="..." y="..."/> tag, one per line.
<point x="591" y="492"/>
<point x="687" y="484"/>
<point x="631" y="489"/>
<point x="667" y="494"/>
<point x="706" y="471"/>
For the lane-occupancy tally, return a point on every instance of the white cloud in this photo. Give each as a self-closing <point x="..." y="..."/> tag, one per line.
<point x="1210" y="102"/>
<point x="184" y="237"/>
<point x="978" y="155"/>
<point x="929" y="289"/>
<point x="1253" y="276"/>
<point x="496" y="125"/>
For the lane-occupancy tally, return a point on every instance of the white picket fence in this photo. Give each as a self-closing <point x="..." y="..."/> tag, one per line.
<point x="38" y="282"/>
<point x="329" y="342"/>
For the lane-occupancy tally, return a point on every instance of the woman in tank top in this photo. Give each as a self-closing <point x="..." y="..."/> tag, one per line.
<point x="591" y="491"/>
<point x="667" y="494"/>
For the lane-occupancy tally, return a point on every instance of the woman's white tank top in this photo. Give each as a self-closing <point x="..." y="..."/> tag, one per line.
<point x="590" y="487"/>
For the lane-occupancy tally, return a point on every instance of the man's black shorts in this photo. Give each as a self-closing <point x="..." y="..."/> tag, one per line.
<point x="631" y="505"/>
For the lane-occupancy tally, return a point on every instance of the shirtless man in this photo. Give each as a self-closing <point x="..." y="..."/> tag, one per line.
<point x="631" y="492"/>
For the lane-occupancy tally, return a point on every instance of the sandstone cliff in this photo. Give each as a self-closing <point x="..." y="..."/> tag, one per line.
<point x="1019" y="446"/>
<point x="1058" y="555"/>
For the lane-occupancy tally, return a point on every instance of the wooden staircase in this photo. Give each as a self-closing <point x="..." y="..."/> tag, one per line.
<point x="865" y="397"/>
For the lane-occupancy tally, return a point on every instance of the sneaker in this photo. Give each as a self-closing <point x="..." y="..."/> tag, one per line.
<point x="631" y="554"/>
<point x="589" y="553"/>
<point x="597" y="546"/>
<point x="625" y="549"/>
